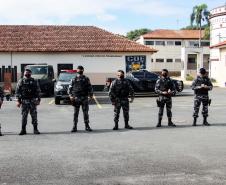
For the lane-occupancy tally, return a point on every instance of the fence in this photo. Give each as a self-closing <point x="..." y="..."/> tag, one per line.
<point x="8" y="69"/>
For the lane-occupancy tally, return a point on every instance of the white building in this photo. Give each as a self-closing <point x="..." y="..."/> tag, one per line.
<point x="178" y="51"/>
<point x="65" y="47"/>
<point x="218" y="44"/>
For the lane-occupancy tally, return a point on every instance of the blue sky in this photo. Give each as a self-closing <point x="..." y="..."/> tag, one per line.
<point x="117" y="16"/>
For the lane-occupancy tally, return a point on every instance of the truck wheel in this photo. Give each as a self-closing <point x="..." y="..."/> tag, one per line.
<point x="7" y="97"/>
<point x="57" y="101"/>
<point x="50" y="92"/>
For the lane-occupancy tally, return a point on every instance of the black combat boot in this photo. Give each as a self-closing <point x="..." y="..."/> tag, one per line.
<point x="36" y="131"/>
<point x="194" y="121"/>
<point x="127" y="126"/>
<point x="159" y="122"/>
<point x="23" y="131"/>
<point x="74" y="129"/>
<point x="205" y="121"/>
<point x="170" y="123"/>
<point x="88" y="127"/>
<point x="116" y="126"/>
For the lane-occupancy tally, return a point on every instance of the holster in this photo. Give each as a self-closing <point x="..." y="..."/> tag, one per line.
<point x="209" y="102"/>
<point x="73" y="103"/>
<point x="158" y="101"/>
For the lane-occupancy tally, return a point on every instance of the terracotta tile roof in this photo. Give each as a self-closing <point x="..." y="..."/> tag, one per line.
<point x="173" y="34"/>
<point x="30" y="38"/>
<point x="219" y="45"/>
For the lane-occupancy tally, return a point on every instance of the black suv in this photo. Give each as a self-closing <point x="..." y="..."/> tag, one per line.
<point x="62" y="84"/>
<point x="144" y="81"/>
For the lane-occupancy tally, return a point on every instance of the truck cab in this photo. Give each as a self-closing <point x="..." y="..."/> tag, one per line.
<point x="44" y="74"/>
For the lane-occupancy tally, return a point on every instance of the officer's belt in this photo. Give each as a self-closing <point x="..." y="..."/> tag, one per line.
<point x="28" y="99"/>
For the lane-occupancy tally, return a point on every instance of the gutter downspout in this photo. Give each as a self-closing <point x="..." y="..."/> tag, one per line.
<point x="11" y="59"/>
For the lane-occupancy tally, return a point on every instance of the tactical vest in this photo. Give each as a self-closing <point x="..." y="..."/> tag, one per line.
<point x="165" y="84"/>
<point x="81" y="86"/>
<point x="199" y="82"/>
<point x="121" y="88"/>
<point x="28" y="88"/>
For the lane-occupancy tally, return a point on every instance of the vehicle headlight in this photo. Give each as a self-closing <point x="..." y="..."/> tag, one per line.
<point x="59" y="87"/>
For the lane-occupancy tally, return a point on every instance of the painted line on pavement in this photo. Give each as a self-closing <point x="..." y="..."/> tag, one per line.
<point x="96" y="101"/>
<point x="51" y="102"/>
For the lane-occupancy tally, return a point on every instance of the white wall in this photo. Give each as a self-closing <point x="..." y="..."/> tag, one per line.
<point x="217" y="35"/>
<point x="97" y="66"/>
<point x="218" y="26"/>
<point x="167" y="52"/>
<point x="5" y="59"/>
<point x="218" y="69"/>
<point x="140" y="40"/>
<point x="170" y="52"/>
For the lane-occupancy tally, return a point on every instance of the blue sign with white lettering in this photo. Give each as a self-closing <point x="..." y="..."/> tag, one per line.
<point x="134" y="63"/>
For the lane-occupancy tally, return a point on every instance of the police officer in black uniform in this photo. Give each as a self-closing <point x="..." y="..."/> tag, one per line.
<point x="28" y="98"/>
<point x="165" y="88"/>
<point x="201" y="86"/>
<point x="1" y="102"/>
<point x="119" y="92"/>
<point x="80" y="92"/>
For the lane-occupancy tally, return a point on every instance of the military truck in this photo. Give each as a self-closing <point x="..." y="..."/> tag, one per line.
<point x="44" y="74"/>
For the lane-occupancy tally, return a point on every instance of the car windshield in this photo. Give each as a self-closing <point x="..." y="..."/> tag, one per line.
<point x="138" y="75"/>
<point x="38" y="70"/>
<point x="151" y="75"/>
<point x="66" y="77"/>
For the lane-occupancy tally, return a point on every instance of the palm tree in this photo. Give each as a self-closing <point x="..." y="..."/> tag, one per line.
<point x="200" y="14"/>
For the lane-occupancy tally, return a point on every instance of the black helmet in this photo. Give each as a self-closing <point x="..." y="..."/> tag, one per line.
<point x="165" y="70"/>
<point x="80" y="67"/>
<point x="28" y="70"/>
<point x="121" y="71"/>
<point x="202" y="71"/>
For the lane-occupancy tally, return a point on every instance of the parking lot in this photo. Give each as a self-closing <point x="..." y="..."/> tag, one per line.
<point x="144" y="155"/>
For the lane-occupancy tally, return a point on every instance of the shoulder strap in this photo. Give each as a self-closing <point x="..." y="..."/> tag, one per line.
<point x="22" y="81"/>
<point x="127" y="82"/>
<point x="74" y="79"/>
<point x="87" y="79"/>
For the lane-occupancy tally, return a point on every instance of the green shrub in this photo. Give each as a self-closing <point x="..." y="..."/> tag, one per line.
<point x="213" y="80"/>
<point x="189" y="77"/>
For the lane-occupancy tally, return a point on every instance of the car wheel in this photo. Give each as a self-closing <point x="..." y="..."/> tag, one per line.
<point x="181" y="86"/>
<point x="106" y="88"/>
<point x="57" y="101"/>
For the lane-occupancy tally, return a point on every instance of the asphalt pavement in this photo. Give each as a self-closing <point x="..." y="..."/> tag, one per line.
<point x="146" y="155"/>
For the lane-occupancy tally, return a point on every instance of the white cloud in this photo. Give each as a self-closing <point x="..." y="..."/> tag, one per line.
<point x="64" y="11"/>
<point x="106" y="17"/>
<point x="156" y="8"/>
<point x="38" y="11"/>
<point x="114" y="29"/>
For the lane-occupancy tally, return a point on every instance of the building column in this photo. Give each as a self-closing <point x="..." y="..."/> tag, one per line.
<point x="200" y="60"/>
<point x="184" y="61"/>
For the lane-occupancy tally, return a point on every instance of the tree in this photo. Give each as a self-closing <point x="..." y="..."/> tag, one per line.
<point x="207" y="33"/>
<point x="205" y="27"/>
<point x="190" y="28"/>
<point x="199" y="14"/>
<point x="136" y="33"/>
